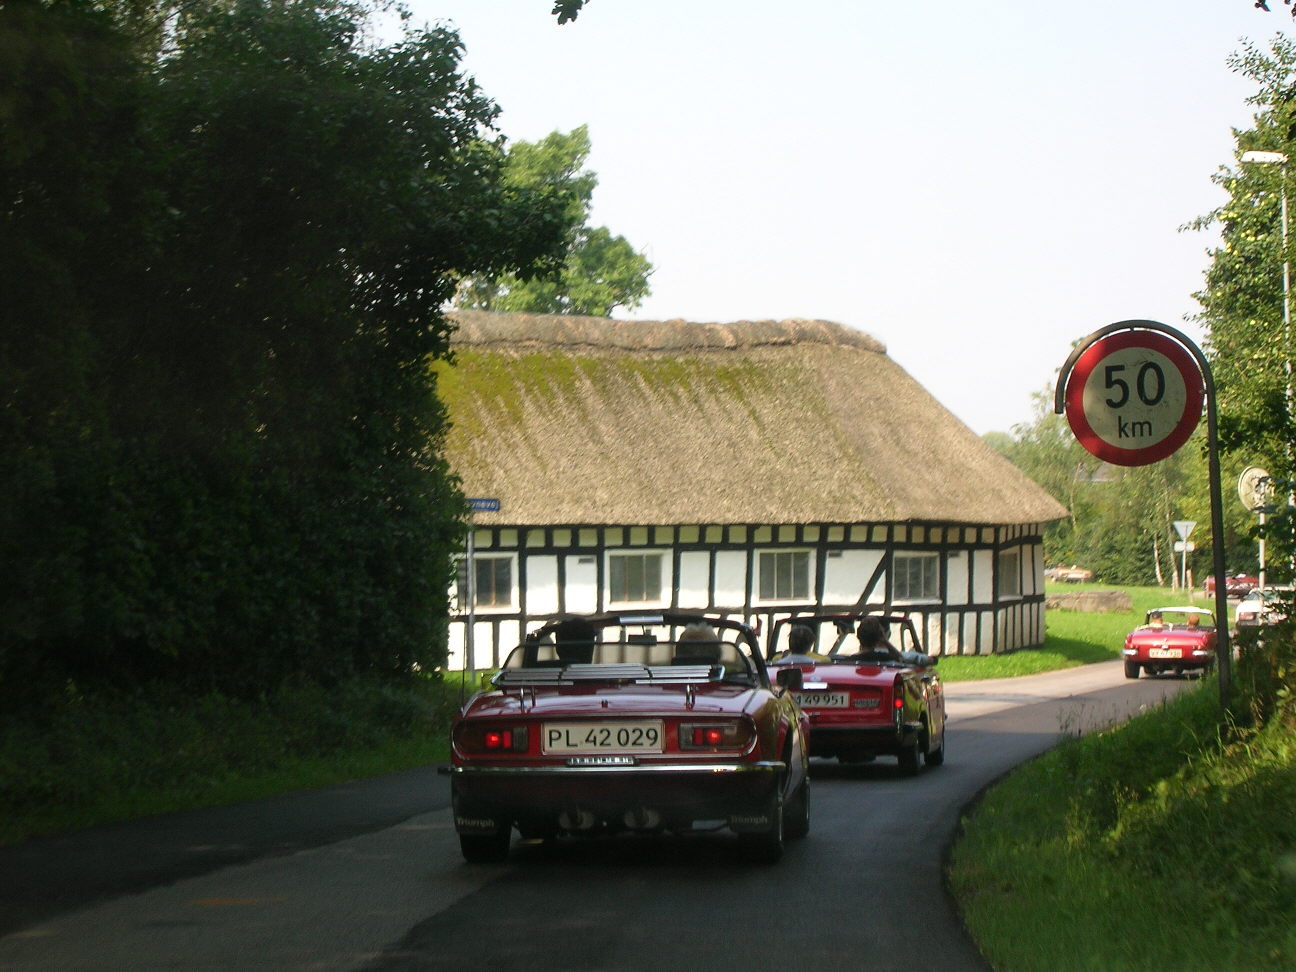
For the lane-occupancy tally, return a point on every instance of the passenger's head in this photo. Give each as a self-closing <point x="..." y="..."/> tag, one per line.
<point x="1194" y="620"/>
<point x="870" y="632"/>
<point x="801" y="639"/>
<point x="574" y="640"/>
<point x="698" y="640"/>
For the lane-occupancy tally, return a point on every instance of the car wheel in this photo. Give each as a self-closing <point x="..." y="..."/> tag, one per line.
<point x="909" y="759"/>
<point x="767" y="847"/>
<point x="935" y="757"/>
<point x="1131" y="669"/>
<point x="798" y="811"/>
<point x="486" y="848"/>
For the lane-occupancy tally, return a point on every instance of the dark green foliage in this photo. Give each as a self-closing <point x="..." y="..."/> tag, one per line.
<point x="102" y="754"/>
<point x="223" y="274"/>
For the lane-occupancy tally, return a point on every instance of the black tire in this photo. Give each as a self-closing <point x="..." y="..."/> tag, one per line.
<point x="797" y="816"/>
<point x="935" y="757"/>
<point x="908" y="757"/>
<point x="486" y="848"/>
<point x="767" y="847"/>
<point x="1131" y="669"/>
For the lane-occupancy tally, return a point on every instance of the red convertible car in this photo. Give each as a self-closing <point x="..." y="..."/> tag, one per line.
<point x="866" y="696"/>
<point x="1235" y="585"/>
<point x="1171" y="639"/>
<point x="640" y="722"/>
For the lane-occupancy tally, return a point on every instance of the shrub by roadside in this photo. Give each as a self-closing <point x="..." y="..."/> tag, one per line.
<point x="1160" y="844"/>
<point x="92" y="757"/>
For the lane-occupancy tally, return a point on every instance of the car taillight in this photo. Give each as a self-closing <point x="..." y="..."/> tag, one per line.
<point x="715" y="735"/>
<point x="493" y="739"/>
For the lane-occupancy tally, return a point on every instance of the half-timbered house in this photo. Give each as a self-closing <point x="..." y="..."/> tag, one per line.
<point x="751" y="468"/>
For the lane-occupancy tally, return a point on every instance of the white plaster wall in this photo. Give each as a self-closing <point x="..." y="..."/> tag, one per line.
<point x="982" y="576"/>
<point x="582" y="584"/>
<point x="845" y="577"/>
<point x="694" y="578"/>
<point x="731" y="577"/>
<point x="542" y="584"/>
<point x="956" y="577"/>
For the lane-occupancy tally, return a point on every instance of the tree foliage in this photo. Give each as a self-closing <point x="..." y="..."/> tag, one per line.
<point x="1250" y="342"/>
<point x="599" y="273"/>
<point x="225" y="247"/>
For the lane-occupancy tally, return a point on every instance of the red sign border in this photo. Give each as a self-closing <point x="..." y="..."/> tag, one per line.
<point x="1179" y="356"/>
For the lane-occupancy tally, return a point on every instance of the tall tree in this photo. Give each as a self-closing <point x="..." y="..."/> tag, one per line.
<point x="225" y="258"/>
<point x="1250" y="343"/>
<point x="600" y="273"/>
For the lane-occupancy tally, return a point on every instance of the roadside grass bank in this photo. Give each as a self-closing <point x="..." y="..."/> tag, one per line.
<point x="97" y="757"/>
<point x="1168" y="842"/>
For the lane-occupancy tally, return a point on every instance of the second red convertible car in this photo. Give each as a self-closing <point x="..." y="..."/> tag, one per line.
<point x="642" y="722"/>
<point x="867" y="696"/>
<point x="1171" y="639"/>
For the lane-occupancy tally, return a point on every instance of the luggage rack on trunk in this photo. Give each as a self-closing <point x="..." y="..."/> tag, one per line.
<point x="571" y="674"/>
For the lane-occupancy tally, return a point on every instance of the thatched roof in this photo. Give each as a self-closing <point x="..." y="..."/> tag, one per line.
<point x="577" y="420"/>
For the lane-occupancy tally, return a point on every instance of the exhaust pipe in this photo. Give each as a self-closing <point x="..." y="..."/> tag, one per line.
<point x="576" y="819"/>
<point x="642" y="818"/>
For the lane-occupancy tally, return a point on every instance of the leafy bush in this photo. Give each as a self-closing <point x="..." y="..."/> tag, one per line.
<point x="108" y="754"/>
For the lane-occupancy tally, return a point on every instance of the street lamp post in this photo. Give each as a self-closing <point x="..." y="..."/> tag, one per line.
<point x="1280" y="160"/>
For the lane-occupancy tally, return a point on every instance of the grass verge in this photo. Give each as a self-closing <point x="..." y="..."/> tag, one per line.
<point x="94" y="758"/>
<point x="1158" y="844"/>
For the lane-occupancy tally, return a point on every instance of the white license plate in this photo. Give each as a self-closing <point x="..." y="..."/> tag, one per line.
<point x="602" y="737"/>
<point x="1165" y="652"/>
<point x="822" y="700"/>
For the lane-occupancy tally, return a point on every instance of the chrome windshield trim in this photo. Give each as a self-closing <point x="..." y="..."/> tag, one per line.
<point x="563" y="770"/>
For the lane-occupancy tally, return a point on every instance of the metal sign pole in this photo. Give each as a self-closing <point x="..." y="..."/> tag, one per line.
<point x="1173" y="433"/>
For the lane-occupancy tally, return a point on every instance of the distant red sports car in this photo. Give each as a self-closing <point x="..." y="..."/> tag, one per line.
<point x="1171" y="639"/>
<point x="643" y="722"/>
<point x="866" y="697"/>
<point x="1235" y="585"/>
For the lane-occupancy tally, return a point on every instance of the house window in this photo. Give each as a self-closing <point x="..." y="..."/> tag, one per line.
<point x="1010" y="573"/>
<point x="785" y="575"/>
<point x="635" y="578"/>
<point x="493" y="582"/>
<point x="915" y="577"/>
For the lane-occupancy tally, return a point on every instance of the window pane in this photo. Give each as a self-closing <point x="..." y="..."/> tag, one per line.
<point x="493" y="582"/>
<point x="784" y="575"/>
<point x="916" y="577"/>
<point x="635" y="577"/>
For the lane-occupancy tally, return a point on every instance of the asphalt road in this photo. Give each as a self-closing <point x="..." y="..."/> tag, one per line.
<point x="368" y="874"/>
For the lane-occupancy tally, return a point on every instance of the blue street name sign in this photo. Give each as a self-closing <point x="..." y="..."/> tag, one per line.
<point x="481" y="505"/>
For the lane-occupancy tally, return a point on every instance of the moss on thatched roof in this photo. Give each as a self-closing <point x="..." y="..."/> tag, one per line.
<point x="588" y="420"/>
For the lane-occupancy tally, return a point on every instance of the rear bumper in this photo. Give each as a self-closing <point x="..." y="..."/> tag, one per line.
<point x="487" y="798"/>
<point x="836" y="741"/>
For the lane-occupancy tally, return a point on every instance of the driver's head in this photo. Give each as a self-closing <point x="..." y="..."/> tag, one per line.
<point x="574" y="640"/>
<point x="870" y="632"/>
<point x="801" y="639"/>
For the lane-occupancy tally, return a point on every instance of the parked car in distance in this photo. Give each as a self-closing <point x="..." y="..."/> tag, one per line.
<point x="644" y="722"/>
<point x="864" y="703"/>
<point x="1264" y="606"/>
<point x="1070" y="575"/>
<point x="1235" y="585"/>
<point x="1171" y="639"/>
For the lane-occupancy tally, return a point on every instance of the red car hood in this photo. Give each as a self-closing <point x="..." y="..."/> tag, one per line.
<point x="613" y="700"/>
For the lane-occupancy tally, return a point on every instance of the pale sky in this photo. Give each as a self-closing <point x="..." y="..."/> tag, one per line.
<point x="975" y="184"/>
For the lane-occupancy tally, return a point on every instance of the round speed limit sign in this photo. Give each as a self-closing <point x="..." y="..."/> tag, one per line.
<point x="1134" y="397"/>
